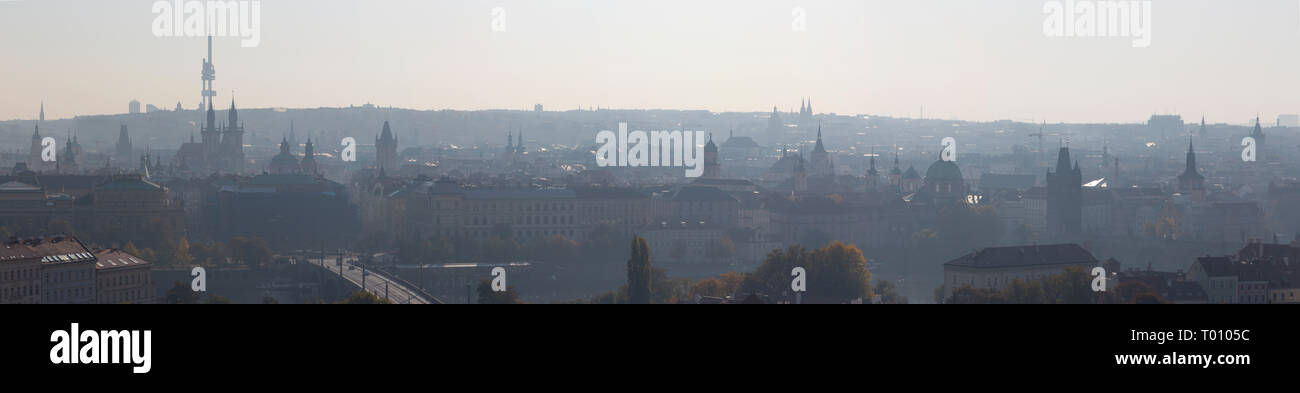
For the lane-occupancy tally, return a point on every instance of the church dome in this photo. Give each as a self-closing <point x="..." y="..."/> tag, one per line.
<point x="283" y="163"/>
<point x="943" y="170"/>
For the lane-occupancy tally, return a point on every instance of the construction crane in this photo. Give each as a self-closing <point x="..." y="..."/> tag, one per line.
<point x="1040" y="134"/>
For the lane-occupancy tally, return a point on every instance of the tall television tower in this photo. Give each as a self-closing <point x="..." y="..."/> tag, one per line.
<point x="209" y="75"/>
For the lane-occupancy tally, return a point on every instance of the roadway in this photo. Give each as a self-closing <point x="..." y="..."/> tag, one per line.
<point x="374" y="283"/>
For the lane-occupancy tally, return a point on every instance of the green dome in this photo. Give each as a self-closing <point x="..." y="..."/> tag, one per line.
<point x="943" y="170"/>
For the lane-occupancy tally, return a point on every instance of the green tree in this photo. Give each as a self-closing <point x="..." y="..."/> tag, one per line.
<point x="148" y="254"/>
<point x="1073" y="286"/>
<point x="639" y="272"/>
<point x="968" y="295"/>
<point x="731" y="282"/>
<point x="773" y="275"/>
<point x="1024" y="292"/>
<point x="181" y="294"/>
<point x="182" y="257"/>
<point x="129" y="248"/>
<point x="837" y="271"/>
<point x="252" y="252"/>
<point x="708" y="287"/>
<point x="668" y="290"/>
<point x="1136" y="292"/>
<point x="888" y="292"/>
<point x="487" y="296"/>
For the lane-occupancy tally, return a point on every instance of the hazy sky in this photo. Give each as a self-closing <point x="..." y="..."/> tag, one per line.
<point x="968" y="59"/>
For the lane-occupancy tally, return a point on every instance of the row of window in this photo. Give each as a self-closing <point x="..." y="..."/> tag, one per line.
<point x="132" y="295"/>
<point x="535" y="207"/>
<point x="1000" y="280"/>
<point x="527" y="207"/>
<point x="528" y="220"/>
<point x="17" y="292"/>
<point x="67" y="294"/>
<point x="522" y="233"/>
<point x="116" y="280"/>
<point x="17" y="275"/>
<point x="67" y="275"/>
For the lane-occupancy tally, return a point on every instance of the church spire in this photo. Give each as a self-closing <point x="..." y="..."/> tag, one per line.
<point x="820" y="148"/>
<point x="42" y="110"/>
<point x="212" y="118"/>
<point x="234" y="115"/>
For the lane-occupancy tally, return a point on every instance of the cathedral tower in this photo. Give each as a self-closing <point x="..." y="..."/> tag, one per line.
<point x="386" y="149"/>
<point x="1065" y="197"/>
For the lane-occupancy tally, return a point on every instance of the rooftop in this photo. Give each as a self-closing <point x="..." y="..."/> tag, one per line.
<point x="113" y="258"/>
<point x="1023" y="256"/>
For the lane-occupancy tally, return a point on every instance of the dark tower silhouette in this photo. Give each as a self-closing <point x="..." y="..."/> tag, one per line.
<point x="285" y="163"/>
<point x="1191" y="182"/>
<point x="1065" y="197"/>
<point x="232" y="143"/>
<point x="34" y="161"/>
<point x="309" y="158"/>
<point x="67" y="160"/>
<point x="873" y="175"/>
<point x="1258" y="134"/>
<point x="1203" y="132"/>
<point x="896" y="174"/>
<point x="386" y="149"/>
<point x="712" y="169"/>
<point x="510" y="142"/>
<point x="123" y="146"/>
<point x="211" y="135"/>
<point x="821" y="160"/>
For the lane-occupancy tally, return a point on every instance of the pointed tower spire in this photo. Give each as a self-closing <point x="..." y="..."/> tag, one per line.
<point x="820" y="148"/>
<point x="234" y="115"/>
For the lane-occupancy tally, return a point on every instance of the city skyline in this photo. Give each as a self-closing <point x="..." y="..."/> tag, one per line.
<point x="885" y="58"/>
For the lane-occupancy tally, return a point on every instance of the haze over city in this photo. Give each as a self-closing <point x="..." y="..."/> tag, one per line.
<point x="983" y="60"/>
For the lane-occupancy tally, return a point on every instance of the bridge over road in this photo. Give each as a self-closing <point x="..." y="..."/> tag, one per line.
<point x="395" y="290"/>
